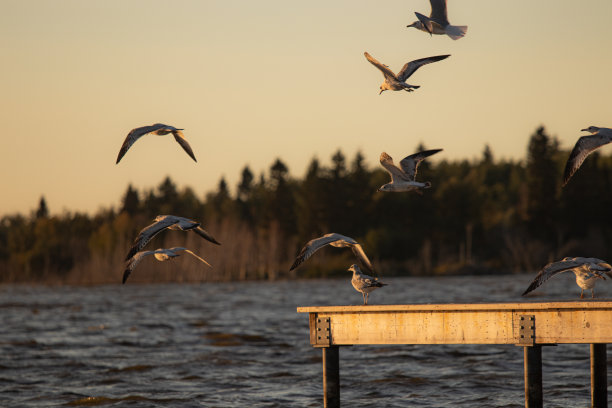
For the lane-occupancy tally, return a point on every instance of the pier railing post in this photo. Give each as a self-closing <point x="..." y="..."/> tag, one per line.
<point x="533" y="376"/>
<point x="599" y="376"/>
<point x="331" y="377"/>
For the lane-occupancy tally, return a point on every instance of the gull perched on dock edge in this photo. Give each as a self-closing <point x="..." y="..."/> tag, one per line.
<point x="161" y="254"/>
<point x="398" y="82"/>
<point x="403" y="179"/>
<point x="437" y="22"/>
<point x="364" y="283"/>
<point x="587" y="271"/>
<point x="336" y="240"/>
<point x="163" y="222"/>
<point x="158" y="129"/>
<point x="584" y="146"/>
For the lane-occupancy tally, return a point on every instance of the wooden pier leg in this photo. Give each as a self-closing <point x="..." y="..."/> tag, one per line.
<point x="599" y="376"/>
<point x="533" y="376"/>
<point x="331" y="377"/>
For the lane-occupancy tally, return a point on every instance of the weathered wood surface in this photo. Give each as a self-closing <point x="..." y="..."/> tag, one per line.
<point x="480" y="323"/>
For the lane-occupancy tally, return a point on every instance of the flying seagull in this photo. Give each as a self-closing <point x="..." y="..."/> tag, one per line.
<point x="336" y="240"/>
<point x="403" y="179"/>
<point x="437" y="22"/>
<point x="398" y="82"/>
<point x="587" y="271"/>
<point x="161" y="254"/>
<point x="584" y="146"/>
<point x="158" y="129"/>
<point x="364" y="283"/>
<point x="163" y="222"/>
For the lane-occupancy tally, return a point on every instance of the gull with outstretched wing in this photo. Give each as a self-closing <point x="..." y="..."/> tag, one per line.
<point x="587" y="271"/>
<point x="158" y="129"/>
<point x="161" y="254"/>
<point x="171" y="222"/>
<point x="336" y="240"/>
<point x="398" y="82"/>
<point x="585" y="146"/>
<point x="403" y="177"/>
<point x="437" y="22"/>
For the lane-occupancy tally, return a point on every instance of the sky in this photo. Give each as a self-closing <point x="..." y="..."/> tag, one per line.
<point x="252" y="81"/>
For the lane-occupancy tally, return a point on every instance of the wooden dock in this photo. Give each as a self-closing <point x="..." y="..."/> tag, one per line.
<point x="530" y="325"/>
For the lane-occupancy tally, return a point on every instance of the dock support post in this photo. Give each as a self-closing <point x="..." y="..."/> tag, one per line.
<point x="533" y="376"/>
<point x="331" y="377"/>
<point x="599" y="376"/>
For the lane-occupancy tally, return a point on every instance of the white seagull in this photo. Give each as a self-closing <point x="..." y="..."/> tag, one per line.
<point x="163" y="222"/>
<point x="364" y="283"/>
<point x="437" y="22"/>
<point x="584" y="146"/>
<point x="161" y="254"/>
<point x="336" y="240"/>
<point x="398" y="82"/>
<point x="158" y="129"/>
<point x="403" y="179"/>
<point x="587" y="271"/>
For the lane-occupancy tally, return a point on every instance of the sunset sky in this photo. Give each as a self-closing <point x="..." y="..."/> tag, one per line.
<point x="251" y="81"/>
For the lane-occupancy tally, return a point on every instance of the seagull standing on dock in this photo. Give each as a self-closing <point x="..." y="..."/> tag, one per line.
<point x="336" y="240"/>
<point x="437" y="22"/>
<point x="163" y="222"/>
<point x="584" y="146"/>
<point x="158" y="129"/>
<point x="398" y="82"/>
<point x="587" y="271"/>
<point x="161" y="254"/>
<point x="364" y="283"/>
<point x="403" y="179"/>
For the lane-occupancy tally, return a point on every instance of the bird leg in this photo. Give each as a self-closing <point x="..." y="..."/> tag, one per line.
<point x="365" y="302"/>
<point x="581" y="293"/>
<point x="593" y="293"/>
<point x="367" y="296"/>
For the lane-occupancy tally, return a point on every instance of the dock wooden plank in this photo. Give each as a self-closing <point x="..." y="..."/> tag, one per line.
<point x="490" y="323"/>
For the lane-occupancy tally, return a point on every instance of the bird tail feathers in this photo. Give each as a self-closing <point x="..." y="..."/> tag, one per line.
<point x="456" y="32"/>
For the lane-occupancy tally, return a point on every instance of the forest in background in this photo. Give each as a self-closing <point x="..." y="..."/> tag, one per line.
<point x="479" y="216"/>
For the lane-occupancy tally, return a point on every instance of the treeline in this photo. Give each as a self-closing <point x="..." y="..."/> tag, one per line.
<point x="482" y="216"/>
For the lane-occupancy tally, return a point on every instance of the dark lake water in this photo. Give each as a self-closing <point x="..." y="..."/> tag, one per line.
<point x="244" y="345"/>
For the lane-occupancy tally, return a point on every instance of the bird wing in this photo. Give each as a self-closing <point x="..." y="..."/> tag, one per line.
<point x="409" y="68"/>
<point x="411" y="163"/>
<point x="205" y="234"/>
<point x="148" y="233"/>
<point x="134" y="135"/>
<point x="394" y="171"/>
<point x="313" y="246"/>
<point x="369" y="281"/>
<point x="189" y="252"/>
<point x="438" y="12"/>
<point x="383" y="68"/>
<point x="133" y="261"/>
<point x="360" y="254"/>
<point x="584" y="146"/>
<point x="551" y="270"/>
<point x="180" y="138"/>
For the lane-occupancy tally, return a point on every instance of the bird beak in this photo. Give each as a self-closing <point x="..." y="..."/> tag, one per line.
<point x="381" y="91"/>
<point x="584" y="130"/>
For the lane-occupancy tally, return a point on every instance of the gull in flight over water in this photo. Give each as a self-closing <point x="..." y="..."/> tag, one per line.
<point x="163" y="222"/>
<point x="403" y="179"/>
<point x="161" y="254"/>
<point x="398" y="82"/>
<point x="587" y="271"/>
<point x="584" y="146"/>
<point x="437" y="22"/>
<point x="158" y="129"/>
<point x="364" y="283"/>
<point x="336" y="240"/>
